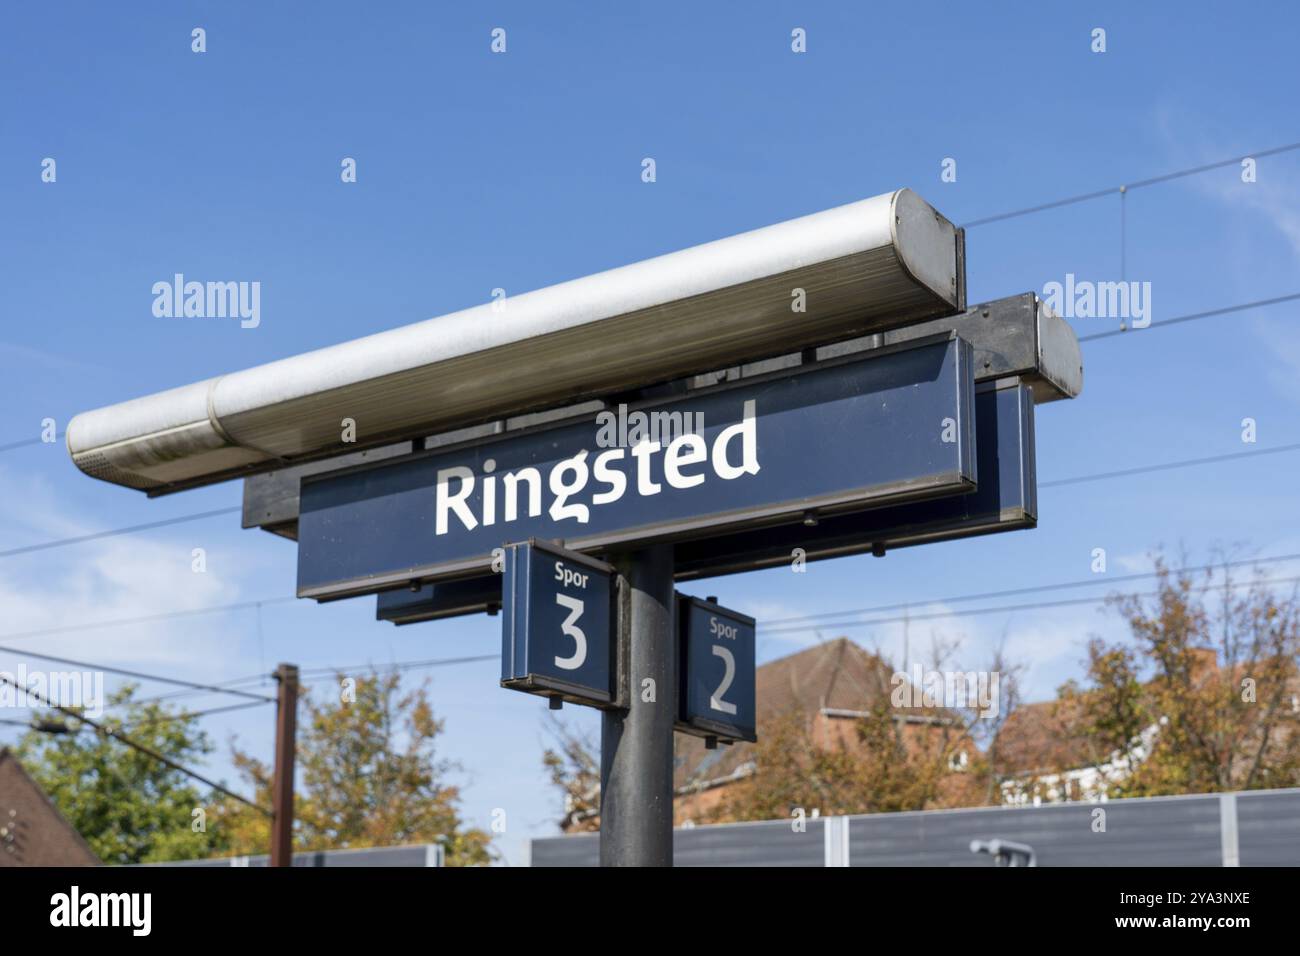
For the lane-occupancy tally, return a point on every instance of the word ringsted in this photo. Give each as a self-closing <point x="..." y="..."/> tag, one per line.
<point x="568" y="480"/>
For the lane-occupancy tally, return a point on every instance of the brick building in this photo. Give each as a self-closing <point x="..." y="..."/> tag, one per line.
<point x="831" y="687"/>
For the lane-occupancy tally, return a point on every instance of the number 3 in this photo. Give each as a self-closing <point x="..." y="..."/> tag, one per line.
<point x="571" y="629"/>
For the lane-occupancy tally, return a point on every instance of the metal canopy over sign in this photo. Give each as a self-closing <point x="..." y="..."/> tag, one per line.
<point x="896" y="425"/>
<point x="716" y="667"/>
<point x="558" y="624"/>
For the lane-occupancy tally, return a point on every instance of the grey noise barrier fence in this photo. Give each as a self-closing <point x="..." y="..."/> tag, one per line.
<point x="1252" y="828"/>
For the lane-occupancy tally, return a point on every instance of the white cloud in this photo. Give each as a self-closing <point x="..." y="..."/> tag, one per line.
<point x="113" y="578"/>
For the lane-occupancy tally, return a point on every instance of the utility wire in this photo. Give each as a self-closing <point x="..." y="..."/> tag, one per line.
<point x="27" y="442"/>
<point x="144" y="619"/>
<point x="137" y="674"/>
<point x="398" y="665"/>
<point x="162" y="719"/>
<point x="233" y="682"/>
<point x="1095" y="581"/>
<point x="45" y="545"/>
<point x="1171" y="465"/>
<point x="1034" y="606"/>
<point x="141" y="748"/>
<point x="1178" y="319"/>
<point x="196" y="714"/>
<point x="325" y="671"/>
<point x="1111" y="190"/>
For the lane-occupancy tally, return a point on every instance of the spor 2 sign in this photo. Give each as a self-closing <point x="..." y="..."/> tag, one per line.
<point x="716" y="669"/>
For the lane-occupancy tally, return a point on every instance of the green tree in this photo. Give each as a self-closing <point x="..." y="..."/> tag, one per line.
<point x="368" y="775"/>
<point x="128" y="806"/>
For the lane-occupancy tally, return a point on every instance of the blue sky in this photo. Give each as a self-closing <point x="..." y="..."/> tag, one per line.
<point x="517" y="170"/>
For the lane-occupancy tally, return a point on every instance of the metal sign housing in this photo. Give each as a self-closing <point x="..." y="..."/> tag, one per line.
<point x="716" y="671"/>
<point x="895" y="425"/>
<point x="559" y="617"/>
<point x="1006" y="500"/>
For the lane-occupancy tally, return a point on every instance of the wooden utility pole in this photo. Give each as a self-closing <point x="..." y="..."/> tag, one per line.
<point x="286" y="728"/>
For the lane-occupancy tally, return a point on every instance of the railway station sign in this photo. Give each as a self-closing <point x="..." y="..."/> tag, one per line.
<point x="1006" y="500"/>
<point x="893" y="426"/>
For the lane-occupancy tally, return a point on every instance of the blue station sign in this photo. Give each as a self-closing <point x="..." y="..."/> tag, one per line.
<point x="558" y="624"/>
<point x="1006" y="500"/>
<point x="716" y="668"/>
<point x="894" y="426"/>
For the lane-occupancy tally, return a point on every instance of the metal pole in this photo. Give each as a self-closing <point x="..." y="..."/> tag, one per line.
<point x="636" y="745"/>
<point x="286" y="727"/>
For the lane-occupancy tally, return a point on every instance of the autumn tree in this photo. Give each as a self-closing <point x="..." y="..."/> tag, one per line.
<point x="889" y="756"/>
<point x="573" y="765"/>
<point x="1205" y="697"/>
<point x="368" y="775"/>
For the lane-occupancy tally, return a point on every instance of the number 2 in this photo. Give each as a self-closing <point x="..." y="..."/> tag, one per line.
<point x="571" y="629"/>
<point x="716" y="701"/>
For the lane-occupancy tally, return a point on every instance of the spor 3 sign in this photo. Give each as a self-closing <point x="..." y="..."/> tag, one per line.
<point x="558" y="623"/>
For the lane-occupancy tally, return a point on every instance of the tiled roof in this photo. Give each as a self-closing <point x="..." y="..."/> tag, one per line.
<point x="32" y="831"/>
<point x="837" y="674"/>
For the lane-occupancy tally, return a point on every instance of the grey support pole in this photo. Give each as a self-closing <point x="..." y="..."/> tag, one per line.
<point x="636" y="745"/>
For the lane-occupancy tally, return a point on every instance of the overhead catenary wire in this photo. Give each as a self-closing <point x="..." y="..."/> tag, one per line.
<point x="196" y="714"/>
<point x="1171" y="465"/>
<point x="1094" y="581"/>
<point x="1125" y="187"/>
<point x="28" y="442"/>
<point x="325" y="671"/>
<point x="130" y="529"/>
<point x="132" y="673"/>
<point x="398" y="665"/>
<point x="262" y="678"/>
<point x="136" y="746"/>
<point x="1193" y="316"/>
<point x="160" y="719"/>
<point x="974" y="612"/>
<point x="145" y="618"/>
